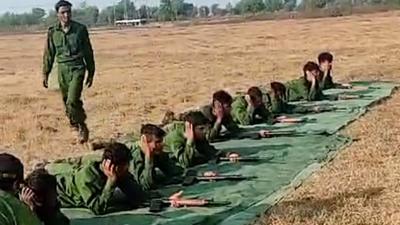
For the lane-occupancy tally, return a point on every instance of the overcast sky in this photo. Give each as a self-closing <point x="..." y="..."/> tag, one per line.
<point x="19" y="6"/>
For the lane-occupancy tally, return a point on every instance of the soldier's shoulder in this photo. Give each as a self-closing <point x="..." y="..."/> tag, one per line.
<point x="51" y="29"/>
<point x="238" y="100"/>
<point x="205" y="109"/>
<point x="294" y="82"/>
<point x="134" y="147"/>
<point x="91" y="169"/>
<point x="79" y="25"/>
<point x="174" y="126"/>
<point x="240" y="97"/>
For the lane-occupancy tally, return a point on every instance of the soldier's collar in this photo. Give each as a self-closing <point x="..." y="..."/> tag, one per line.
<point x="59" y="27"/>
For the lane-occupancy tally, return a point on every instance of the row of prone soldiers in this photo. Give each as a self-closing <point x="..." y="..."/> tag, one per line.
<point x="126" y="174"/>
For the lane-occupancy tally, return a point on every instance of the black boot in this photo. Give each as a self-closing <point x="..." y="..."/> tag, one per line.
<point x="83" y="133"/>
<point x="74" y="126"/>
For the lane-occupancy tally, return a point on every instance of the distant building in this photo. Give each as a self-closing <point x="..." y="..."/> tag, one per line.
<point x="134" y="22"/>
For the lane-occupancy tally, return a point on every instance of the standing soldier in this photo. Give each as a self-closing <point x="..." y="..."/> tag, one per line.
<point x="68" y="42"/>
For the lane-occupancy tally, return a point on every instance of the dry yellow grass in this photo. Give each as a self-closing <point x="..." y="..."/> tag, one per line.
<point x="361" y="186"/>
<point x="141" y="73"/>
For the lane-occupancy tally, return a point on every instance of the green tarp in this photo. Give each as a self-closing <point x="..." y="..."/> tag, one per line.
<point x="288" y="161"/>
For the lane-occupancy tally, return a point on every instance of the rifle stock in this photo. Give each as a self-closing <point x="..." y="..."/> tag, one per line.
<point x="158" y="204"/>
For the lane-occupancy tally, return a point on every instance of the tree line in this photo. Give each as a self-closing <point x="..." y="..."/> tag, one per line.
<point x="172" y="10"/>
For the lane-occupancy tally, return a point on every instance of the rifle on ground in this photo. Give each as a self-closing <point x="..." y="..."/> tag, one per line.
<point x="157" y="205"/>
<point x="240" y="159"/>
<point x="331" y="109"/>
<point x="190" y="180"/>
<point x="349" y="96"/>
<point x="271" y="134"/>
<point x="320" y="108"/>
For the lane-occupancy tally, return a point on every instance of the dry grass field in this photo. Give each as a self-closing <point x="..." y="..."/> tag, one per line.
<point x="141" y="73"/>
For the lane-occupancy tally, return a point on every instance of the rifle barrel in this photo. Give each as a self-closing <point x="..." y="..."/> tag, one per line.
<point x="242" y="159"/>
<point x="197" y="202"/>
<point x="226" y="177"/>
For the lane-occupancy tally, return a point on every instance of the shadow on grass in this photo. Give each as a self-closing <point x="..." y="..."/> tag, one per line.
<point x="310" y="207"/>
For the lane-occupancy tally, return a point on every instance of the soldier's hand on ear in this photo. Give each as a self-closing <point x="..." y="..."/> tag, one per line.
<point x="219" y="111"/>
<point x="145" y="145"/>
<point x="28" y="197"/>
<point x="110" y="171"/>
<point x="189" y="132"/>
<point x="248" y="100"/>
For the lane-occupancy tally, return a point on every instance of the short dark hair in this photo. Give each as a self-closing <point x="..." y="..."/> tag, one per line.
<point x="151" y="129"/>
<point x="223" y="97"/>
<point x="11" y="171"/>
<point x="310" y="66"/>
<point x="278" y="88"/>
<point x="196" y="118"/>
<point x="254" y="92"/>
<point x="117" y="153"/>
<point x="62" y="3"/>
<point x="41" y="182"/>
<point x="325" y="56"/>
<point x="44" y="187"/>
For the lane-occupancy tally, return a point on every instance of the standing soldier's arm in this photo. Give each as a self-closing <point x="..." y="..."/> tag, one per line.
<point x="49" y="54"/>
<point x="88" y="53"/>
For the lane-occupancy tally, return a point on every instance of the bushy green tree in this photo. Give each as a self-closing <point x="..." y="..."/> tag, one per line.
<point x="250" y="6"/>
<point x="166" y="11"/>
<point x="273" y="5"/>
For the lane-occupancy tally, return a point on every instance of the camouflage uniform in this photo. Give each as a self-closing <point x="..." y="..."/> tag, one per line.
<point x="245" y="114"/>
<point x="74" y="54"/>
<point x="300" y="90"/>
<point x="326" y="81"/>
<point x="85" y="185"/>
<point x="15" y="212"/>
<point x="144" y="169"/>
<point x="215" y="130"/>
<point x="187" y="153"/>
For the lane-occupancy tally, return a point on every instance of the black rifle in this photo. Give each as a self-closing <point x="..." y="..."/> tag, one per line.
<point x="271" y="134"/>
<point x="190" y="180"/>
